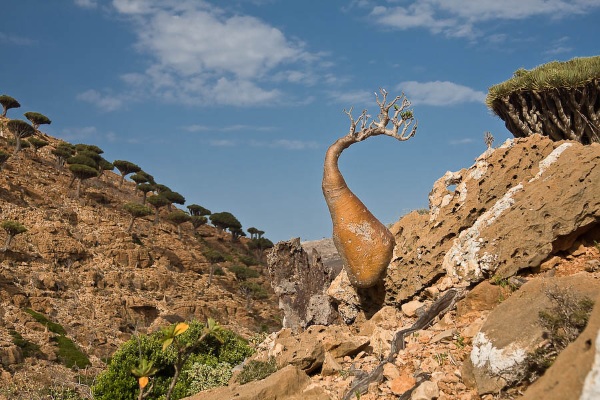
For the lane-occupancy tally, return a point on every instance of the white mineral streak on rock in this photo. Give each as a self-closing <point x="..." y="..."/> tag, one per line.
<point x="462" y="259"/>
<point x="481" y="166"/>
<point x="550" y="159"/>
<point x="441" y="186"/>
<point x="591" y="386"/>
<point x="500" y="362"/>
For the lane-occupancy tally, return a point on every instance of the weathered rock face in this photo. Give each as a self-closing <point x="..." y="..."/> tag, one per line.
<point x="289" y="383"/>
<point x="516" y="206"/>
<point x="513" y="330"/>
<point x="576" y="371"/>
<point x="78" y="265"/>
<point x="301" y="282"/>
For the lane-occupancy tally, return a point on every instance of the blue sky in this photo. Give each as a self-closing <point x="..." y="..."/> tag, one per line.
<point x="234" y="103"/>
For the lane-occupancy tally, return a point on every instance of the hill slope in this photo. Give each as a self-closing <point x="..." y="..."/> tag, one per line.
<point x="78" y="267"/>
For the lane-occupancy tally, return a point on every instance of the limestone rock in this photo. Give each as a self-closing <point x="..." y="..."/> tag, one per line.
<point x="307" y="350"/>
<point x="475" y="225"/>
<point x="289" y="383"/>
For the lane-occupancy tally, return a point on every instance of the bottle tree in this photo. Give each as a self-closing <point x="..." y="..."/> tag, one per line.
<point x="8" y="103"/>
<point x="125" y="168"/>
<point x="364" y="243"/>
<point x="37" y="119"/>
<point x="557" y="99"/>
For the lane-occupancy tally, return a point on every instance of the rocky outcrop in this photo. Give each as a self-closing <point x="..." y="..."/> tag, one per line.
<point x="513" y="331"/>
<point x="300" y="281"/>
<point x="576" y="371"/>
<point x="289" y="383"/>
<point x="517" y="206"/>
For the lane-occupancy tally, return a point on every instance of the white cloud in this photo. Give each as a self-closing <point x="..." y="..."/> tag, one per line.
<point x="201" y="54"/>
<point x="286" y="144"/>
<point x="356" y="98"/>
<point x="223" y="143"/>
<point x="440" y="93"/>
<point x="456" y="142"/>
<point x="15" y="40"/>
<point x="459" y="18"/>
<point x="228" y="128"/>
<point x="104" y="102"/>
<point x="86" y="3"/>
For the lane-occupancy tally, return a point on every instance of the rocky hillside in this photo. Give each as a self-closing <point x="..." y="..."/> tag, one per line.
<point x="488" y="292"/>
<point x="77" y="266"/>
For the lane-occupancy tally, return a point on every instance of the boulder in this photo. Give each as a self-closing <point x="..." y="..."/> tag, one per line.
<point x="512" y="331"/>
<point x="300" y="281"/>
<point x="307" y="350"/>
<point x="289" y="383"/>
<point x="474" y="228"/>
<point x="575" y="372"/>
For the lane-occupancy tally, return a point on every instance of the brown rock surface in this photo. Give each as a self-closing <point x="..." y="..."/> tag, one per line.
<point x="78" y="265"/>
<point x="474" y="228"/>
<point x="289" y="383"/>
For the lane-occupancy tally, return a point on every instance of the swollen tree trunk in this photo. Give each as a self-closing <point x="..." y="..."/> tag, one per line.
<point x="364" y="244"/>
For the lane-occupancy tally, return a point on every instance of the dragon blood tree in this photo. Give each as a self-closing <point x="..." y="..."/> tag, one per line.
<point x="558" y="99"/>
<point x="364" y="243"/>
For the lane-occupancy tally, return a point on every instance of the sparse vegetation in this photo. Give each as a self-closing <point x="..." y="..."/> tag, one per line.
<point x="125" y="168"/>
<point x="556" y="99"/>
<point x="12" y="229"/>
<point x="562" y="324"/>
<point x="168" y="350"/>
<point x="136" y="211"/>
<point x="20" y="130"/>
<point x="37" y="119"/>
<point x="256" y="370"/>
<point x="8" y="103"/>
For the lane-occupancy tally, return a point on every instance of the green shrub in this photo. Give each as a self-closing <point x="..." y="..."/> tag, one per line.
<point x="248" y="260"/>
<point x="28" y="348"/>
<point x="205" y="376"/>
<point x="256" y="290"/>
<point x="219" y="271"/>
<point x="242" y="272"/>
<point x="256" y="370"/>
<point x="42" y="319"/>
<point x="562" y="324"/>
<point x="117" y="382"/>
<point x="69" y="354"/>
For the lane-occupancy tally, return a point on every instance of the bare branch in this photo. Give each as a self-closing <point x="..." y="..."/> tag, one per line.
<point x="404" y="126"/>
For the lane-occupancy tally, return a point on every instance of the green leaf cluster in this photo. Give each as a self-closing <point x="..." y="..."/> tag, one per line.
<point x="573" y="73"/>
<point x="243" y="272"/>
<point x="118" y="383"/>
